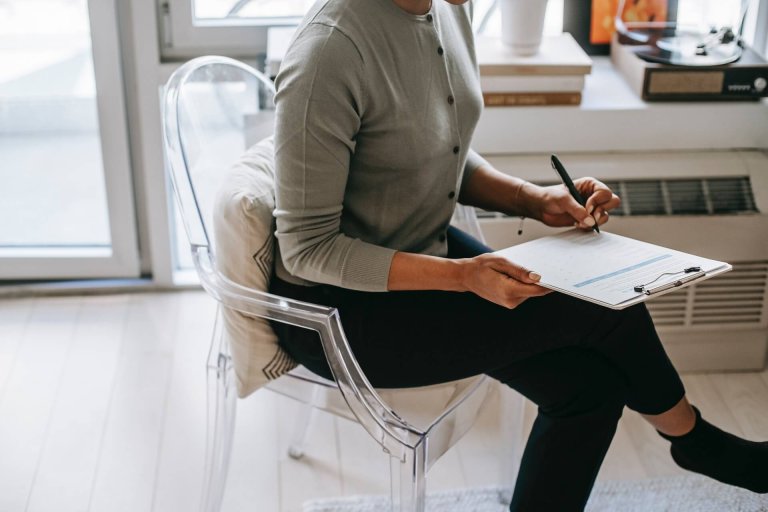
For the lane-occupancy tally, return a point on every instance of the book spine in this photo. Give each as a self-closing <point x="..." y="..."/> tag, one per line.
<point x="553" y="83"/>
<point x="526" y="99"/>
<point x="495" y="69"/>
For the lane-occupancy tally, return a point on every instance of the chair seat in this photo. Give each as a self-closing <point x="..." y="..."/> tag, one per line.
<point x="302" y="373"/>
<point x="419" y="406"/>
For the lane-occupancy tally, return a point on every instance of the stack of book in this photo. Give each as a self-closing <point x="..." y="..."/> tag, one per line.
<point x="554" y="76"/>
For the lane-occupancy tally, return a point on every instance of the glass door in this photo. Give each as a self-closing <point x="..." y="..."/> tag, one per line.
<point x="66" y="201"/>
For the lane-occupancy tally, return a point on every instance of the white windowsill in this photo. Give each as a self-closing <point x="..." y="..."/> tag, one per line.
<point x="612" y="118"/>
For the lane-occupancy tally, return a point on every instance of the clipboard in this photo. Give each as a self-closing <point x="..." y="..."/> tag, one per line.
<point x="611" y="270"/>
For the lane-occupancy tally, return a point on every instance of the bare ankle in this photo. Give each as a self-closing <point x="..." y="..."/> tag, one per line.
<point x="677" y="421"/>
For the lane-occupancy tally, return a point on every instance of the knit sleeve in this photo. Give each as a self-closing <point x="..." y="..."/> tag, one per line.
<point x="474" y="160"/>
<point x="320" y="102"/>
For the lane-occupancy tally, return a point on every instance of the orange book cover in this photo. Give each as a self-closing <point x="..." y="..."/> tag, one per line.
<point x="604" y="11"/>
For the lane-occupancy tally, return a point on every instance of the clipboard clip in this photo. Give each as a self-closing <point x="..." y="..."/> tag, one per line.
<point x="693" y="273"/>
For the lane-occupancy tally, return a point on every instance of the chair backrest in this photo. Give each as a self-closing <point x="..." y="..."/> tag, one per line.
<point x="219" y="116"/>
<point x="215" y="108"/>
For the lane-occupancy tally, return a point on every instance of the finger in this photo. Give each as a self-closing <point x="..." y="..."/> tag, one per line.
<point x="579" y="213"/>
<point x="537" y="291"/>
<point x="598" y="213"/>
<point x="597" y="193"/>
<point x="601" y="197"/>
<point x="589" y="185"/>
<point x="517" y="289"/>
<point x="584" y="227"/>
<point x="607" y="201"/>
<point x="515" y="271"/>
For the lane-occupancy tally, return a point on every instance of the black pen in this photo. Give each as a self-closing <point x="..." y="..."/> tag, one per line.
<point x="558" y="167"/>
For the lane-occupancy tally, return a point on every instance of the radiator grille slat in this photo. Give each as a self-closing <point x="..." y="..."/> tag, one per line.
<point x="730" y="290"/>
<point x="739" y="304"/>
<point x="644" y="198"/>
<point x="714" y="320"/>
<point x="687" y="197"/>
<point x="669" y="310"/>
<point x="735" y="298"/>
<point x="704" y="196"/>
<point x="731" y="194"/>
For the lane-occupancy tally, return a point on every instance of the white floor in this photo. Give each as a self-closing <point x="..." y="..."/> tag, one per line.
<point x="102" y="408"/>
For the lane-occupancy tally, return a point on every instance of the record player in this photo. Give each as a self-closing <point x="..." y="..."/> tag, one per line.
<point x="665" y="61"/>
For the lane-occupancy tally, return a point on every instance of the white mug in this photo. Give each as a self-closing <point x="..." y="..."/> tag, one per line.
<point x="522" y="23"/>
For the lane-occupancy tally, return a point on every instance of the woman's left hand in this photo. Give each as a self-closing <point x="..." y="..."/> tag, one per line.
<point x="558" y="208"/>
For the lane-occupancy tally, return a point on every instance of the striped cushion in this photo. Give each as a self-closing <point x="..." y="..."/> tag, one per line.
<point x="244" y="248"/>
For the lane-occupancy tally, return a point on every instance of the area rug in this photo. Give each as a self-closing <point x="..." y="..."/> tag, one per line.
<point x="674" y="494"/>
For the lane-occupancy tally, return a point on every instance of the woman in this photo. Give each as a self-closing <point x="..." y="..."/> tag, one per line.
<point x="376" y="105"/>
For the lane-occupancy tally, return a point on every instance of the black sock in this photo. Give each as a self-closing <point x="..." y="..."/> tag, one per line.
<point x="717" y="454"/>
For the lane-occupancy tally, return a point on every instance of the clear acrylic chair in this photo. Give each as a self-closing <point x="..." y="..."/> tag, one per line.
<point x="214" y="108"/>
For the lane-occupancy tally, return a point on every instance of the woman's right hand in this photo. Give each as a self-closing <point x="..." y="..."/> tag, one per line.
<point x="499" y="280"/>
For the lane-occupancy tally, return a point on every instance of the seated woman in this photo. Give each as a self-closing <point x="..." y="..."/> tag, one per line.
<point x="376" y="106"/>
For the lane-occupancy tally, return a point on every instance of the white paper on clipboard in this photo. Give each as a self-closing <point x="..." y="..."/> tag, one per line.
<point x="604" y="268"/>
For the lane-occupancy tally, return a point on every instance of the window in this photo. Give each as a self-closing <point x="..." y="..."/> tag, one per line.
<point x="210" y="10"/>
<point x="66" y="204"/>
<point x="228" y="27"/>
<point x="238" y="27"/>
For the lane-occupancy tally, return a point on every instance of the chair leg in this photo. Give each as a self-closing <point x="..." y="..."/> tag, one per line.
<point x="301" y="429"/>
<point x="221" y="425"/>
<point x="408" y="474"/>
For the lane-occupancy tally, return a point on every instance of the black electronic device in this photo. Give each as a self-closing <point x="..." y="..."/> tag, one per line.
<point x="667" y="68"/>
<point x="667" y="60"/>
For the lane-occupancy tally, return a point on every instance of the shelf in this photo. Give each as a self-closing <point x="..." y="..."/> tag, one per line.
<point x="612" y="118"/>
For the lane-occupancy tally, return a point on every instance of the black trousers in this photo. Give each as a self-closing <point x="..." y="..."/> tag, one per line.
<point x="580" y="363"/>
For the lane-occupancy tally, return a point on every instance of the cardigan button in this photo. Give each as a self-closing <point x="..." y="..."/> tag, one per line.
<point x="451" y="194"/>
<point x="439" y="50"/>
<point x="455" y="150"/>
<point x="429" y="18"/>
<point x="450" y="100"/>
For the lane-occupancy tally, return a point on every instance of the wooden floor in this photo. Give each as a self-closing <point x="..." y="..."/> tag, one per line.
<point x="102" y="408"/>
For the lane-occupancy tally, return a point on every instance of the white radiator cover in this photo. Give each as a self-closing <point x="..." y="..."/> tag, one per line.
<point x="721" y="324"/>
